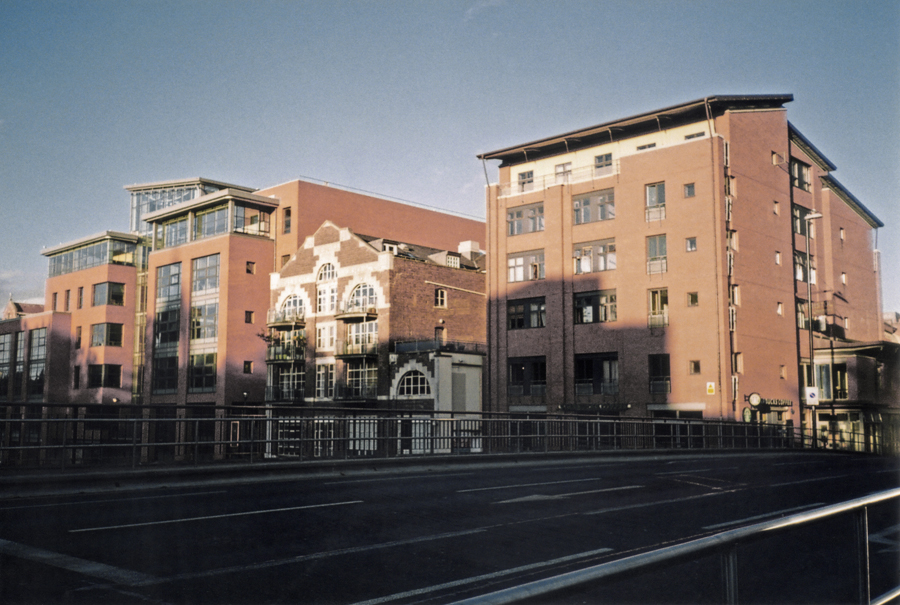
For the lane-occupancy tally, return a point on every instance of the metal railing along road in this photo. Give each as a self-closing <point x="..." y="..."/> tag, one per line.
<point x="725" y="545"/>
<point x="77" y="437"/>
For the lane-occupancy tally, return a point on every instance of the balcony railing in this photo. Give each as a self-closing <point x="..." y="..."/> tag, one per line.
<point x="660" y="385"/>
<point x="655" y="213"/>
<point x="350" y="349"/>
<point x="447" y="346"/>
<point x="536" y="388"/>
<point x="356" y="390"/>
<point x="539" y="182"/>
<point x="350" y="309"/>
<point x="286" y="350"/>
<point x="586" y="387"/>
<point x="657" y="264"/>
<point x="275" y="393"/>
<point x="285" y="316"/>
<point x="658" y="320"/>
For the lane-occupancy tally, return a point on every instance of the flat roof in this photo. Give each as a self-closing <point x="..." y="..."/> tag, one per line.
<point x="90" y="239"/>
<point x="211" y="199"/>
<point x="191" y="181"/>
<point x="635" y="125"/>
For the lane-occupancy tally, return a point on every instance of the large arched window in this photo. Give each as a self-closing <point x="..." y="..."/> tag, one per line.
<point x="413" y="383"/>
<point x="292" y="305"/>
<point x="326" y="273"/>
<point x="363" y="295"/>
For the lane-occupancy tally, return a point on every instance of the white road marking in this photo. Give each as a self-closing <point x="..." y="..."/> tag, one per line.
<point x="485" y="489"/>
<point x="482" y="578"/>
<point x="70" y="503"/>
<point x="699" y="470"/>
<point x="396" y="477"/>
<point x="208" y="517"/>
<point x="763" y="516"/>
<point x="537" y="497"/>
<point x="659" y="502"/>
<point x="799" y="481"/>
<point x="882" y="538"/>
<point x="309" y="557"/>
<point x="93" y="569"/>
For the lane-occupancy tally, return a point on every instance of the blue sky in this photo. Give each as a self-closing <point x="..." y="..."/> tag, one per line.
<point x="398" y="97"/>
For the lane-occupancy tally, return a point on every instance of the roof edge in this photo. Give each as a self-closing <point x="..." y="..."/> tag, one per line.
<point x="83" y="241"/>
<point x="809" y="149"/>
<point x="844" y="194"/>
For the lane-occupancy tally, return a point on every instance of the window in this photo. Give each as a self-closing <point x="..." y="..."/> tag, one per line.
<point x="656" y="254"/>
<point x="165" y="375"/>
<point x="690" y="244"/>
<point x="172" y="233"/>
<point x="801" y="270"/>
<point x="802" y="321"/>
<point x="251" y="221"/>
<point x="798" y="216"/>
<point x="326" y="273"/>
<point x="362" y="297"/>
<point x="595" y="307"/>
<point x="53" y="298"/>
<point x="453" y="260"/>
<point x="592" y="257"/>
<point x="205" y="273"/>
<point x="325" y="337"/>
<point x="204" y="320"/>
<point x="108" y="293"/>
<point x="694" y="366"/>
<point x="292" y="307"/>
<point x="689" y="190"/>
<point x="737" y="363"/>
<point x="211" y="222"/>
<point x="658" y="307"/>
<point x="526" y="181"/>
<point x="285" y="259"/>
<point x="325" y="381"/>
<point x="76" y="377"/>
<point x="525" y="266"/>
<point x="597" y="374"/>
<point x="695" y="135"/>
<point x="105" y="375"/>
<point x="526" y="219"/>
<point x="776" y="207"/>
<point x="800" y="175"/>
<point x="777" y="257"/>
<point x="440" y="297"/>
<point x="286" y="216"/>
<point x="109" y="335"/>
<point x="67" y="300"/>
<point x="782" y="372"/>
<point x="248" y="367"/>
<point x="365" y="333"/>
<point x="168" y="283"/>
<point x="656" y="201"/>
<point x="37" y="360"/>
<point x="595" y="206"/>
<point x="413" y="383"/>
<point x="693" y="299"/>
<point x="166" y="328"/>
<point x="527" y="376"/>
<point x="526" y="313"/>
<point x="603" y="164"/>
<point x="326" y="298"/>
<point x="79" y="301"/>
<point x="844" y="278"/>
<point x="202" y="373"/>
<point x="248" y="317"/>
<point x="779" y="308"/>
<point x="647" y="146"/>
<point x="251" y="267"/>
<point x="563" y="172"/>
<point x="660" y="377"/>
<point x="6" y="344"/>
<point x="362" y="379"/>
<point x="77" y="337"/>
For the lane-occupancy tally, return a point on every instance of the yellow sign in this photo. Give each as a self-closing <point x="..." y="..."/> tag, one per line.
<point x="710" y="388"/>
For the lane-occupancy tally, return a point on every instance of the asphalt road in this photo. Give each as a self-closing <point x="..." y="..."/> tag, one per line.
<point x="441" y="533"/>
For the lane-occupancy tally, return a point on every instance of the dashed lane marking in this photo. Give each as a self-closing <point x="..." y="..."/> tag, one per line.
<point x="104" y="572"/>
<point x="764" y="516"/>
<point x="539" y="497"/>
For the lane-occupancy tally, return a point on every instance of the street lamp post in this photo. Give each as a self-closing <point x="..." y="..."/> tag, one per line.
<point x="812" y="364"/>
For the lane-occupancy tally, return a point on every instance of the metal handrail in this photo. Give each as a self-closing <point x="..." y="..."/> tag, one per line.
<point x="723" y="542"/>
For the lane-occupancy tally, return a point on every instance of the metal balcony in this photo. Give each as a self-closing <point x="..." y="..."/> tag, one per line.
<point x="355" y="390"/>
<point x="354" y="349"/>
<point x="286" y="317"/>
<point x="350" y="311"/>
<point x="280" y="351"/>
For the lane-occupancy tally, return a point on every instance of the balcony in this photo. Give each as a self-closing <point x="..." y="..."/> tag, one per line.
<point x="658" y="320"/>
<point x="356" y="390"/>
<point x="282" y="351"/>
<point x="660" y="385"/>
<point x="352" y="311"/>
<point x="443" y="346"/>
<point x="586" y="387"/>
<point x="540" y="182"/>
<point x="276" y="393"/>
<point x="356" y="349"/>
<point x="655" y="213"/>
<point x="286" y="317"/>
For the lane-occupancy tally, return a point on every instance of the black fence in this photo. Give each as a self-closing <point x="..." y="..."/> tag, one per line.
<point x="66" y="437"/>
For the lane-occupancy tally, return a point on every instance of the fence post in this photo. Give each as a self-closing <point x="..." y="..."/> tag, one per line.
<point x="252" y="438"/>
<point x="861" y="518"/>
<point x="196" y="441"/>
<point x="134" y="431"/>
<point x="730" y="575"/>
<point x="65" y="430"/>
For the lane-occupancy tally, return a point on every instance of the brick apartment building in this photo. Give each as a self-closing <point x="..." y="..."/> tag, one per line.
<point x="656" y="265"/>
<point x="171" y="314"/>
<point x="367" y="322"/>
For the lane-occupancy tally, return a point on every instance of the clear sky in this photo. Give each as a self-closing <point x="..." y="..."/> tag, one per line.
<point x="398" y="97"/>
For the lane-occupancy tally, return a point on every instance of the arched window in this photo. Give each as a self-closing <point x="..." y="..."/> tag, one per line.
<point x="326" y="273"/>
<point x="292" y="305"/>
<point x="413" y="382"/>
<point x="363" y="295"/>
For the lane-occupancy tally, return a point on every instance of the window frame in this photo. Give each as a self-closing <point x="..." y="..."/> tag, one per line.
<point x="594" y="307"/>
<point x="604" y="200"/>
<point x="526" y="313"/>
<point x="516" y="266"/>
